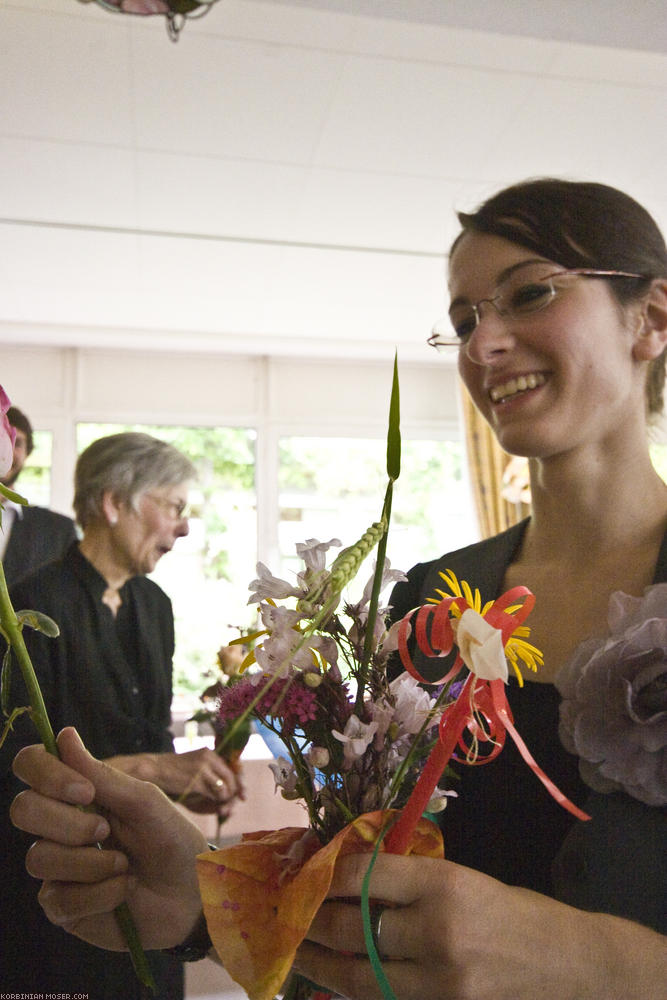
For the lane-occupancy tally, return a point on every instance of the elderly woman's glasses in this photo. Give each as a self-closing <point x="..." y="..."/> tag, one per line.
<point x="178" y="510"/>
<point x="529" y="288"/>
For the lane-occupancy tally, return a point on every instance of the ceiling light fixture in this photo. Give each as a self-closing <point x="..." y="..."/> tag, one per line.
<point x="176" y="12"/>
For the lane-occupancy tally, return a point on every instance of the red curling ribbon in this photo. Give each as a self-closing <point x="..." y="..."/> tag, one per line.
<point x="478" y="699"/>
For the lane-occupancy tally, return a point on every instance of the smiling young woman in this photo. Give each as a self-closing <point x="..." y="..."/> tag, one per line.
<point x="571" y="385"/>
<point x="559" y="317"/>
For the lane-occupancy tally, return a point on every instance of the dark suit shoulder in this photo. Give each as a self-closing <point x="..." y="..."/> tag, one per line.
<point x="49" y="582"/>
<point x="51" y="521"/>
<point x="52" y="518"/>
<point x="38" y="536"/>
<point x="481" y="564"/>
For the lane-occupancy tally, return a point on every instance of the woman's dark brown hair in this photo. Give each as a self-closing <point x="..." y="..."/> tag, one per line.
<point x="582" y="224"/>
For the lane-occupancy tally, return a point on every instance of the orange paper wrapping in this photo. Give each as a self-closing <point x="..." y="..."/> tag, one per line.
<point x="258" y="908"/>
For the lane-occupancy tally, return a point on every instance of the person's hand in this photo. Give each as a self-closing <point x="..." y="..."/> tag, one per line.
<point x="200" y="779"/>
<point x="149" y="863"/>
<point x="452" y="932"/>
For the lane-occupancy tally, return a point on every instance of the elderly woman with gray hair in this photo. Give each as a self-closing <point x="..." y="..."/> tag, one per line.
<point x="109" y="673"/>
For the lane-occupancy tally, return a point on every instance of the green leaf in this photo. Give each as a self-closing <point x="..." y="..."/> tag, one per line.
<point x="16" y="497"/>
<point x="39" y="621"/>
<point x="9" y="725"/>
<point x="236" y="740"/>
<point x="394" y="431"/>
<point x="5" y="681"/>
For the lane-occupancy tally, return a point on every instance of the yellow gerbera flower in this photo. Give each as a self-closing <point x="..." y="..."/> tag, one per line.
<point x="517" y="648"/>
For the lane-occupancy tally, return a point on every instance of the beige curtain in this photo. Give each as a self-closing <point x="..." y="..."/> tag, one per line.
<point x="488" y="464"/>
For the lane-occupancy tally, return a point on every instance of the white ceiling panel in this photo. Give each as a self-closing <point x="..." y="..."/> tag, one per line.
<point x="407" y="211"/>
<point x="53" y="181"/>
<point x="285" y="177"/>
<point x="64" y="78"/>
<point x="406" y="117"/>
<point x="208" y="195"/>
<point x="238" y="99"/>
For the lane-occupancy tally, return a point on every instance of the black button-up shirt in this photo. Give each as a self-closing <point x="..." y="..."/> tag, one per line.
<point x="111" y="678"/>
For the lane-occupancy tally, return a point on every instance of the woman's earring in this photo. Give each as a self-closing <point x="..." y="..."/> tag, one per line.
<point x="113" y="519"/>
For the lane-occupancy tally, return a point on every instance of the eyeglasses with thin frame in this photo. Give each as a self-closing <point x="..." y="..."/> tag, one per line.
<point x="521" y="293"/>
<point x="178" y="510"/>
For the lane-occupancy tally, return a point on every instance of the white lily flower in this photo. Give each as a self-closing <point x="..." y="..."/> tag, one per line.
<point x="269" y="586"/>
<point x="389" y="575"/>
<point x="279" y="620"/>
<point x="390" y="641"/>
<point x="356" y="738"/>
<point x="313" y="552"/>
<point x="480" y="646"/>
<point x="383" y="714"/>
<point x="413" y="704"/>
<point x="284" y="775"/>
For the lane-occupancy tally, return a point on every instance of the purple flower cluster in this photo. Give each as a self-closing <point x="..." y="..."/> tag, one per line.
<point x="287" y="699"/>
<point x="614" y="709"/>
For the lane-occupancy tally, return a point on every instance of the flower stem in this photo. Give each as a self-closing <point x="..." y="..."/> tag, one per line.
<point x="14" y="636"/>
<point x="399" y="836"/>
<point x="369" y="638"/>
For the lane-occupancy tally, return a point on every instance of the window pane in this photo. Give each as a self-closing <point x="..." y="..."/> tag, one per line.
<point x="207" y="573"/>
<point x="334" y="487"/>
<point x="659" y="456"/>
<point x="34" y="482"/>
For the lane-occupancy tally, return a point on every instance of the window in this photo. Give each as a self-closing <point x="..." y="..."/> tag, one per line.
<point x="334" y="487"/>
<point x="659" y="456"/>
<point x="34" y="483"/>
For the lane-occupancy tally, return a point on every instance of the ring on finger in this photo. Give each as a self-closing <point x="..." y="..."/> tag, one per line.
<point x="376" y="911"/>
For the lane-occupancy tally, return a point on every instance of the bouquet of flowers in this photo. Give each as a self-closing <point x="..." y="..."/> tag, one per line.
<point x="365" y="753"/>
<point x="352" y="738"/>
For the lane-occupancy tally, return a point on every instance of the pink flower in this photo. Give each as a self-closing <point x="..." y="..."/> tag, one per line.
<point x="270" y="587"/>
<point x="7" y="435"/>
<point x="288" y="700"/>
<point x="614" y="710"/>
<point x="314" y="552"/>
